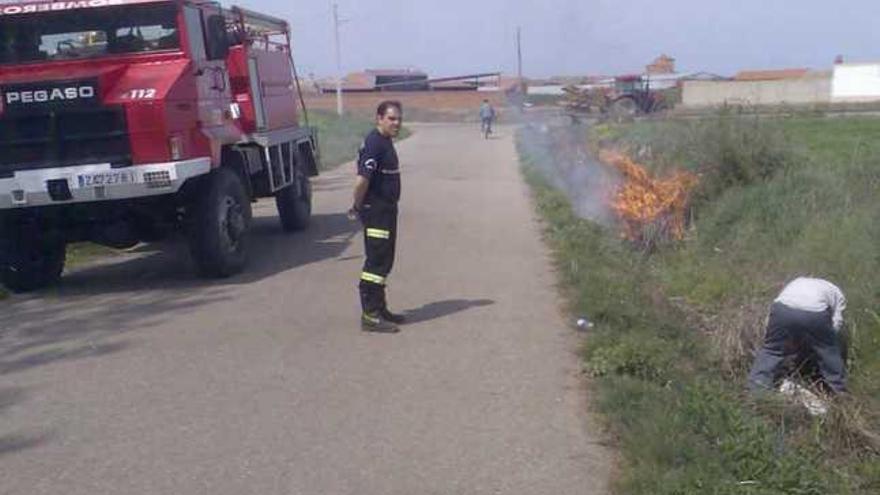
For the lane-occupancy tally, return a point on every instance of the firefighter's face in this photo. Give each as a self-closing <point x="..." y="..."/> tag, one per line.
<point x="389" y="124"/>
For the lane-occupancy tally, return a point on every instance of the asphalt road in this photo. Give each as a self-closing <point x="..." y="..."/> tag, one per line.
<point x="134" y="377"/>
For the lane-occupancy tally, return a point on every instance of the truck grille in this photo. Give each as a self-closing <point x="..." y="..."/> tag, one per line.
<point x="63" y="138"/>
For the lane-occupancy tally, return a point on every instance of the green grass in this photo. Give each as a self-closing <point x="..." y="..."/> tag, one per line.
<point x="79" y="253"/>
<point x="815" y="213"/>
<point x="778" y="198"/>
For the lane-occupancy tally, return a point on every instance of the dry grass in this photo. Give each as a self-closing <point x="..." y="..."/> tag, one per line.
<point x="849" y="429"/>
<point x="737" y="334"/>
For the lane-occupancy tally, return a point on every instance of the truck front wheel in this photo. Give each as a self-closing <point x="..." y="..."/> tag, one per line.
<point x="30" y="265"/>
<point x="218" y="226"/>
<point x="295" y="205"/>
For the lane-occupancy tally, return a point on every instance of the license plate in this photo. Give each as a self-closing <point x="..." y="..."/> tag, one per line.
<point x="113" y="178"/>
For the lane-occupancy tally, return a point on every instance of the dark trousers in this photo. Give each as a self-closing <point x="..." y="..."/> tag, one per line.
<point x="380" y="238"/>
<point x="797" y="333"/>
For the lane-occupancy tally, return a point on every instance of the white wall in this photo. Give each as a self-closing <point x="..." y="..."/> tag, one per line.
<point x="856" y="83"/>
<point x="808" y="90"/>
<point x="554" y="90"/>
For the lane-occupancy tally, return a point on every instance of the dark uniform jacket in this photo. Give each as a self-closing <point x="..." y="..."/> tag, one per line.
<point x="377" y="162"/>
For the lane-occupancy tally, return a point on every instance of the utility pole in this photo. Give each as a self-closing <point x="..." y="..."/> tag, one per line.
<point x="338" y="59"/>
<point x="520" y="85"/>
<point x="519" y="73"/>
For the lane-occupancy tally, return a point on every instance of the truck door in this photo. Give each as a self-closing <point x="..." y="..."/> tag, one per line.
<point x="209" y="47"/>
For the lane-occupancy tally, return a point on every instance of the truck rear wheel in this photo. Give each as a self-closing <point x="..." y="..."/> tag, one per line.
<point x="219" y="225"/>
<point x="30" y="265"/>
<point x="295" y="205"/>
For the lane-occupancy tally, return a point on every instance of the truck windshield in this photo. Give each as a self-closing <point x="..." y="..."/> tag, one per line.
<point x="88" y="33"/>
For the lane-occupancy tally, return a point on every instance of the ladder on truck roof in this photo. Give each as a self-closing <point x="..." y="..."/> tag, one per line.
<point x="255" y="28"/>
<point x="281" y="147"/>
<point x="255" y="24"/>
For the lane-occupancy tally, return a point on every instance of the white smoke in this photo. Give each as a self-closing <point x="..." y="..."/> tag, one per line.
<point x="561" y="153"/>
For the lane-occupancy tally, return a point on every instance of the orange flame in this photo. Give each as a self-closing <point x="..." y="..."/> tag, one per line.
<point x="650" y="207"/>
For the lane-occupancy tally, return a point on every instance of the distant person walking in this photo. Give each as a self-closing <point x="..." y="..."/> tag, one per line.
<point x="376" y="194"/>
<point x="487" y="116"/>
<point x="806" y="316"/>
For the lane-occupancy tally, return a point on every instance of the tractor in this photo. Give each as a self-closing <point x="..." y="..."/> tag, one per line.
<point x="627" y="97"/>
<point x="632" y="95"/>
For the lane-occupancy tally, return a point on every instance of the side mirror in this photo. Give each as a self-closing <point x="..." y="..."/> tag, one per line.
<point x="216" y="40"/>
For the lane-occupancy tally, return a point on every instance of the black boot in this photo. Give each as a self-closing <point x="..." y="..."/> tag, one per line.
<point x="397" y="318"/>
<point x="378" y="324"/>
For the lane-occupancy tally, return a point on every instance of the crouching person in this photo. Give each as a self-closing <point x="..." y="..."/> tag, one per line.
<point x="806" y="316"/>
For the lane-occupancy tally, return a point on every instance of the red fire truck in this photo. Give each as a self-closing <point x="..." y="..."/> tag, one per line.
<point x="124" y="121"/>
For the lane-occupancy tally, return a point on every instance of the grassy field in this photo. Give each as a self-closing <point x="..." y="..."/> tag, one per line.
<point x="675" y="327"/>
<point x="339" y="138"/>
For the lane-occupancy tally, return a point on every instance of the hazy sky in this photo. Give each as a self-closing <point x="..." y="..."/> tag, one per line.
<point x="564" y="37"/>
<point x="448" y="37"/>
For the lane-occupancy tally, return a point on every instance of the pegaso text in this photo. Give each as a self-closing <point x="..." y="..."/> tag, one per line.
<point x="50" y="95"/>
<point x="34" y="8"/>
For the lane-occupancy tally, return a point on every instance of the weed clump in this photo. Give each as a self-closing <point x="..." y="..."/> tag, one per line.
<point x="648" y="358"/>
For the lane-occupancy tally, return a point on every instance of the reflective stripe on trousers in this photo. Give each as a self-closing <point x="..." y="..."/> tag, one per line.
<point x="379" y="233"/>
<point x="372" y="277"/>
<point x="380" y="239"/>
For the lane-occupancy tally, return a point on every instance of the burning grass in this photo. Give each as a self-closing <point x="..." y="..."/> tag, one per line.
<point x="652" y="210"/>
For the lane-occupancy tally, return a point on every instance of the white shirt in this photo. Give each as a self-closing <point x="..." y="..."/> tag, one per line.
<point x="814" y="294"/>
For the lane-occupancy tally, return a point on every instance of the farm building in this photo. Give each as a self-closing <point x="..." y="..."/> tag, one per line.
<point x="856" y="83"/>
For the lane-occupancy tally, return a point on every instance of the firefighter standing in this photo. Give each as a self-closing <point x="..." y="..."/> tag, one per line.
<point x="376" y="194"/>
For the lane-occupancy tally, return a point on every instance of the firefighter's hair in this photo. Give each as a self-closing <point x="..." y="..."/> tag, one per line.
<point x="385" y="105"/>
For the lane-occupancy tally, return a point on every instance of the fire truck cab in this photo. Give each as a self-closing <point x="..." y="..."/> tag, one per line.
<point x="124" y="121"/>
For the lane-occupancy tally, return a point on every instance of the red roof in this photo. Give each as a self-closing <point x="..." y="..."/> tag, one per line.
<point x="359" y="81"/>
<point x="770" y="75"/>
